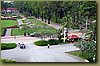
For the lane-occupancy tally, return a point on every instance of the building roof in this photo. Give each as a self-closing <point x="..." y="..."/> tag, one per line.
<point x="10" y="9"/>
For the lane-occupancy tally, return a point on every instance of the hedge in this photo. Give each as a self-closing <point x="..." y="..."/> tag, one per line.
<point x="41" y="43"/>
<point x="45" y="43"/>
<point x="53" y="42"/>
<point x="4" y="31"/>
<point x="5" y="46"/>
<point x="7" y="61"/>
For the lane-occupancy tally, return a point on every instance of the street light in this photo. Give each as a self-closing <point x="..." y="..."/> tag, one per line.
<point x="65" y="29"/>
<point x="86" y="22"/>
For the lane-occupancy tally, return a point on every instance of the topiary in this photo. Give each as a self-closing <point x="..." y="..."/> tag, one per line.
<point x="5" y="46"/>
<point x="41" y="43"/>
<point x="53" y="41"/>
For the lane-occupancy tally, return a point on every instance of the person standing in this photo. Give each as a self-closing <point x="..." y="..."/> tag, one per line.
<point x="48" y="45"/>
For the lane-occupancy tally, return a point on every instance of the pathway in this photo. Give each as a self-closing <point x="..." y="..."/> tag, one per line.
<point x="19" y="22"/>
<point x="33" y="53"/>
<point x="8" y="32"/>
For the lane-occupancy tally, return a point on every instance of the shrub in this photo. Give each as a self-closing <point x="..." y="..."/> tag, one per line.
<point x="7" y="61"/>
<point x="50" y="41"/>
<point x="88" y="50"/>
<point x="5" y="46"/>
<point x="41" y="43"/>
<point x="61" y="41"/>
<point x="53" y="42"/>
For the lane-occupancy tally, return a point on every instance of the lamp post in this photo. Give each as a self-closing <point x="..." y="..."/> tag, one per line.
<point x="65" y="34"/>
<point x="86" y="22"/>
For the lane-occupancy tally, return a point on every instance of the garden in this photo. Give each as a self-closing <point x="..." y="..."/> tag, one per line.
<point x="37" y="26"/>
<point x="7" y="24"/>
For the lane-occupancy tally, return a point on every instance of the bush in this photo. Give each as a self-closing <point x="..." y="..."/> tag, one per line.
<point x="5" y="46"/>
<point x="50" y="41"/>
<point x="53" y="42"/>
<point x="88" y="50"/>
<point x="7" y="61"/>
<point x="41" y="43"/>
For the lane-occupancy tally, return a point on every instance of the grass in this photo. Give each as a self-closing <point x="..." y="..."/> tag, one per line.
<point x="15" y="32"/>
<point x="8" y="23"/>
<point x="37" y="23"/>
<point x="77" y="53"/>
<point x="2" y="30"/>
<point x="41" y="28"/>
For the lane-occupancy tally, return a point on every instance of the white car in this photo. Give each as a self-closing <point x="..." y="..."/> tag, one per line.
<point x="21" y="45"/>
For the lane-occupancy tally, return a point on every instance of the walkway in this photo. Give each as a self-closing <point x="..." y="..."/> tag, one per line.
<point x="33" y="53"/>
<point x="8" y="32"/>
<point x="19" y="22"/>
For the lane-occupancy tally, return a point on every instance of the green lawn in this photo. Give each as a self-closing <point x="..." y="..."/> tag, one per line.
<point x="37" y="23"/>
<point x="8" y="23"/>
<point x="41" y="28"/>
<point x="2" y="30"/>
<point x="77" y="53"/>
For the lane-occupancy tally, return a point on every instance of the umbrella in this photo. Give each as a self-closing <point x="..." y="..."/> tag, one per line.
<point x="73" y="36"/>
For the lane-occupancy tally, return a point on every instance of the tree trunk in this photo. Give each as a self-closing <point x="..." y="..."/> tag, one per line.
<point x="36" y="15"/>
<point x="56" y="19"/>
<point x="45" y="20"/>
<point x="49" y="20"/>
<point x="42" y="16"/>
<point x="61" y="14"/>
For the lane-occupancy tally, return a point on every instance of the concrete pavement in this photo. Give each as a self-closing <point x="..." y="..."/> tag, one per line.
<point x="33" y="53"/>
<point x="8" y="32"/>
<point x="19" y="22"/>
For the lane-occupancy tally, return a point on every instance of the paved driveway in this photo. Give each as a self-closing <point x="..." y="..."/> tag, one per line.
<point x="33" y="53"/>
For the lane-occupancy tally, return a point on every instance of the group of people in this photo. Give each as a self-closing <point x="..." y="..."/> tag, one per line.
<point x="26" y="34"/>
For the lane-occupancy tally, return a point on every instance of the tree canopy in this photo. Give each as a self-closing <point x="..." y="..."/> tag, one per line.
<point x="56" y="10"/>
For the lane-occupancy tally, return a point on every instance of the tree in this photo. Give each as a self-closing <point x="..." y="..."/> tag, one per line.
<point x="59" y="36"/>
<point x="88" y="50"/>
<point x="67" y="21"/>
<point x="25" y="28"/>
<point x="74" y="11"/>
<point x="5" y="5"/>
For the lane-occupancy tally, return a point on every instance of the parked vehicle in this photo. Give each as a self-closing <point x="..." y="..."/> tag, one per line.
<point x="22" y="46"/>
<point x="35" y="34"/>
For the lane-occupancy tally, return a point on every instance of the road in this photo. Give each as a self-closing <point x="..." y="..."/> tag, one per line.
<point x="33" y="53"/>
